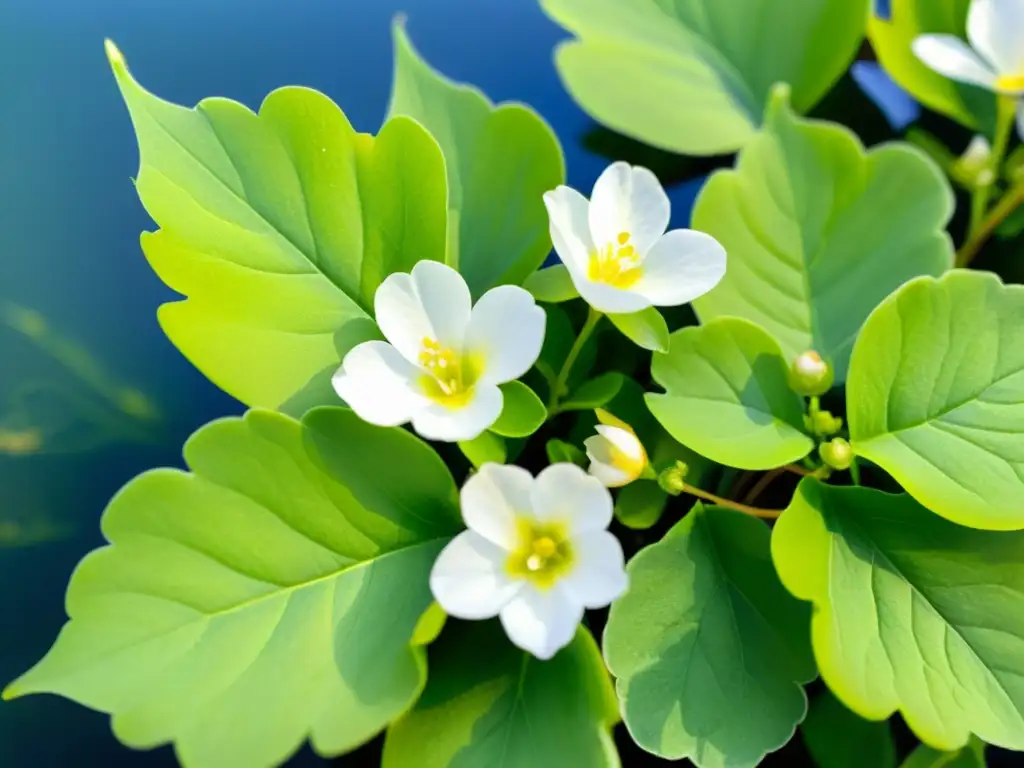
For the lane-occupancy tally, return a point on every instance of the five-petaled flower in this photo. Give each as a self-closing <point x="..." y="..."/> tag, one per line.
<point x="444" y="358"/>
<point x="537" y="553"/>
<point x="616" y="249"/>
<point x="617" y="457"/>
<point x="995" y="57"/>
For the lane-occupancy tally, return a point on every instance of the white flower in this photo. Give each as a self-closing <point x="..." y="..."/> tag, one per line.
<point x="536" y="554"/>
<point x="616" y="249"/>
<point x="995" y="57"/>
<point x="617" y="457"/>
<point x="444" y="359"/>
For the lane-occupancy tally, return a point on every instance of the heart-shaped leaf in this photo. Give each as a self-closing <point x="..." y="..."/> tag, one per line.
<point x="693" y="76"/>
<point x="911" y="612"/>
<point x="500" y="159"/>
<point x="936" y="396"/>
<point x="263" y="598"/>
<point x="646" y="328"/>
<point x="278" y="227"/>
<point x="727" y="396"/>
<point x="708" y="649"/>
<point x="489" y="704"/>
<point x="819" y="231"/>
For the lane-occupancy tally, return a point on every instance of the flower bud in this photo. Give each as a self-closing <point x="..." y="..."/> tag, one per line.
<point x="822" y="423"/>
<point x="809" y="375"/>
<point x="836" y="453"/>
<point x="973" y="168"/>
<point x="673" y="479"/>
<point x="617" y="457"/>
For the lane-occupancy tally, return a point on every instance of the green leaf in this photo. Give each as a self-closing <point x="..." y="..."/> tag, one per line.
<point x="936" y="396"/>
<point x="646" y="328"/>
<point x="693" y="76"/>
<point x="727" y="397"/>
<point x="594" y="393"/>
<point x="819" y="231"/>
<point x="559" y="336"/>
<point x="639" y="505"/>
<point x="711" y="668"/>
<point x="489" y="704"/>
<point x="262" y="598"/>
<point x="561" y="451"/>
<point x="837" y="738"/>
<point x="971" y="756"/>
<point x="552" y="285"/>
<point x="891" y="39"/>
<point x="911" y="611"/>
<point x="277" y="227"/>
<point x="522" y="414"/>
<point x="500" y="159"/>
<point x="487" y="447"/>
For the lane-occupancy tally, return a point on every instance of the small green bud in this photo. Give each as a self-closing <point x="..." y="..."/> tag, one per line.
<point x="973" y="168"/>
<point x="673" y="479"/>
<point x="822" y="423"/>
<point x="810" y="375"/>
<point x="836" y="453"/>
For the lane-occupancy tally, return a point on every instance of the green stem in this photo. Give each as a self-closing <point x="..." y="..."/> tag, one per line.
<point x="754" y="511"/>
<point x="1006" y="107"/>
<point x="593" y="318"/>
<point x="1011" y="201"/>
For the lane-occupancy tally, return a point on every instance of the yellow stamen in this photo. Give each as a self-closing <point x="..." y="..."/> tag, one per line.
<point x="445" y="381"/>
<point x="543" y="553"/>
<point x="617" y="265"/>
<point x="1010" y="83"/>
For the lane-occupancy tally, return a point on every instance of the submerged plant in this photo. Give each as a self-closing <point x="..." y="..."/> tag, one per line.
<point x="818" y="474"/>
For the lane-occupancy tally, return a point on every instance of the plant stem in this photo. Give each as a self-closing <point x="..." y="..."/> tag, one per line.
<point x="796" y="469"/>
<point x="1005" y="113"/>
<point x="766" y="479"/>
<point x="593" y="318"/>
<point x="1010" y="202"/>
<point x="755" y="511"/>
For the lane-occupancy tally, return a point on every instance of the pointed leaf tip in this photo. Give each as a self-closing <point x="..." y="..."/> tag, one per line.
<point x="114" y="55"/>
<point x="778" y="101"/>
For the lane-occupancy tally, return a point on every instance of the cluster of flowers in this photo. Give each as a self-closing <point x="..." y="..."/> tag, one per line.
<point x="537" y="551"/>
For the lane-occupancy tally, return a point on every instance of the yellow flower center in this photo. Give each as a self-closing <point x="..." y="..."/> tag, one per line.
<point x="446" y="381"/>
<point x="621" y="460"/>
<point x="1010" y="83"/>
<point x="616" y="264"/>
<point x="543" y="553"/>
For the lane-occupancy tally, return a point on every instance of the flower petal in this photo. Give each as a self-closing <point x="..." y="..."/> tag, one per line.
<point x="493" y="498"/>
<point x="605" y="298"/>
<point x="506" y="329"/>
<point x="624" y="441"/>
<point x="541" y="622"/>
<point x="469" y="579"/>
<point x="379" y="384"/>
<point x="628" y="199"/>
<point x="566" y="493"/>
<point x="996" y="31"/>
<point x="599" y="573"/>
<point x="610" y="476"/>
<point x="432" y="302"/>
<point x="682" y="266"/>
<point x="950" y="56"/>
<point x="441" y="422"/>
<point x="570" y="229"/>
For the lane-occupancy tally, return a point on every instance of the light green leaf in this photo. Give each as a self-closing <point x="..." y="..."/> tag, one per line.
<point x="819" y="231"/>
<point x="693" y="76"/>
<point x="971" y="756"/>
<point x="727" y="397"/>
<point x="559" y="336"/>
<point x="838" y="738"/>
<point x="489" y="704"/>
<point x="262" y="598"/>
<point x="646" y="328"/>
<point x="891" y="40"/>
<point x="594" y="393"/>
<point x="711" y="668"/>
<point x="639" y="505"/>
<point x="936" y="396"/>
<point x="500" y="159"/>
<point x="561" y="451"/>
<point x="551" y="285"/>
<point x="277" y="227"/>
<point x="487" y="447"/>
<point x="522" y="414"/>
<point x="911" y="611"/>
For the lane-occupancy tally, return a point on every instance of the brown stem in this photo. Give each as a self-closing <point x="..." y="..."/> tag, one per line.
<point x="1010" y="202"/>
<point x="796" y="469"/>
<point x="766" y="479"/>
<point x="755" y="511"/>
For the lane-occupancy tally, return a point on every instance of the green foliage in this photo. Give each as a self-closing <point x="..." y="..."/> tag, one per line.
<point x="818" y="231"/>
<point x="971" y="756"/>
<point x="837" y="738"/>
<point x="639" y="505"/>
<point x="936" y="396"/>
<point x="646" y="328"/>
<point x="727" y="396"/>
<point x="711" y="668"/>
<point x="552" y="285"/>
<point x="484" y="448"/>
<point x="500" y="162"/>
<point x="523" y="412"/>
<point x="595" y="393"/>
<point x="891" y="39"/>
<point x="694" y="76"/>
<point x="489" y="704"/>
<point x="265" y="597"/>
<point x="911" y="612"/>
